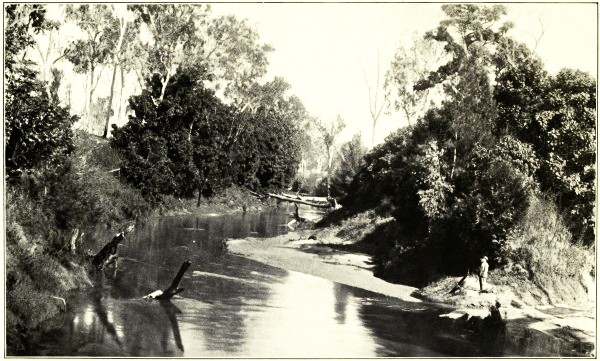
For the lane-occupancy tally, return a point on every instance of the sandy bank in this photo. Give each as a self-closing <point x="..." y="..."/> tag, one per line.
<point x="296" y="253"/>
<point x="349" y="269"/>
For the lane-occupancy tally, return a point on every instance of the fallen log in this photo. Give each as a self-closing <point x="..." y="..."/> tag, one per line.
<point x="107" y="251"/>
<point x="173" y="289"/>
<point x="459" y="286"/>
<point x="300" y="201"/>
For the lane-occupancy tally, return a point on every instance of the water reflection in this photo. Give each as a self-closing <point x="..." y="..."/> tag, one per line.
<point x="235" y="307"/>
<point x="342" y="296"/>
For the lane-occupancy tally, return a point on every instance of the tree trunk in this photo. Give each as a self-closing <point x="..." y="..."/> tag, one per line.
<point x="454" y="160"/>
<point x="107" y="251"/>
<point x="74" y="241"/>
<point x="90" y="97"/>
<point x="373" y="132"/>
<point x="200" y="189"/>
<point x="122" y="71"/>
<point x="109" y="105"/>
<point x="281" y="198"/>
<point x="164" y="86"/>
<point x="174" y="287"/>
<point x="112" y="84"/>
<point x="328" y="170"/>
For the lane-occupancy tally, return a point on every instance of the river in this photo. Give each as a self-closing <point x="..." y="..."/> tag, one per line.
<point x="236" y="307"/>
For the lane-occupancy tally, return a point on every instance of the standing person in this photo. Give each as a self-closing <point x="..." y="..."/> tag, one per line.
<point x="483" y="273"/>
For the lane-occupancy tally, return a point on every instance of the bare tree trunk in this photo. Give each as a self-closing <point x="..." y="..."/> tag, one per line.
<point x="89" y="100"/>
<point x="373" y="133"/>
<point x="328" y="170"/>
<point x="122" y="71"/>
<point x="109" y="111"/>
<point x="454" y="160"/>
<point x="107" y="251"/>
<point x="164" y="85"/>
<point x="112" y="84"/>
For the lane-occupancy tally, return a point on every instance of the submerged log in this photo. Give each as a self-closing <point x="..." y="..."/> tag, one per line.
<point x="104" y="256"/>
<point x="173" y="289"/>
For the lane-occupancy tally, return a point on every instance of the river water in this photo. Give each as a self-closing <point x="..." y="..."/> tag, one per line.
<point x="236" y="307"/>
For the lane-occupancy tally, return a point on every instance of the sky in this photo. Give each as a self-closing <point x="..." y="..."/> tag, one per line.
<point x="325" y="51"/>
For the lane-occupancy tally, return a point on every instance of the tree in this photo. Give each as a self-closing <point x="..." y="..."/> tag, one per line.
<point x="349" y="162"/>
<point x="469" y="32"/>
<point x="175" y="37"/>
<point x="470" y="104"/>
<point x="192" y="143"/>
<point x="435" y="187"/>
<point x="51" y="48"/>
<point x="271" y="138"/>
<point x="235" y="57"/>
<point x="228" y="49"/>
<point x="94" y="50"/>
<point x="408" y="67"/>
<point x="117" y="51"/>
<point x="329" y="133"/>
<point x="567" y="145"/>
<point x="375" y="107"/>
<point x="556" y="115"/>
<point x="175" y="147"/>
<point x="37" y="129"/>
<point x="521" y="88"/>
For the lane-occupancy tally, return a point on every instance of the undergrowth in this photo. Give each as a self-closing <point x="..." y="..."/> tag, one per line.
<point x="541" y="255"/>
<point x="49" y="210"/>
<point x="541" y="264"/>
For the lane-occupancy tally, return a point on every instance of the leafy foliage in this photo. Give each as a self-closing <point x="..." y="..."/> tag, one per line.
<point x="409" y="66"/>
<point x="191" y="141"/>
<point x="556" y="115"/>
<point x="37" y="129"/>
<point x="348" y="164"/>
<point x="459" y="182"/>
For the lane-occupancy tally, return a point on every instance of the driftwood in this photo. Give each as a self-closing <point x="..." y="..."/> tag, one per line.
<point x="300" y="201"/>
<point x="108" y="251"/>
<point x="173" y="289"/>
<point x="459" y="285"/>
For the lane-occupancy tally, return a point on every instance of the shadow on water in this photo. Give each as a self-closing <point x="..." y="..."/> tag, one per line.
<point x="402" y="329"/>
<point x="234" y="307"/>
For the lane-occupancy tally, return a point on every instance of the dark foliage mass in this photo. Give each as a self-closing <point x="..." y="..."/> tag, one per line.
<point x="461" y="179"/>
<point x="190" y="142"/>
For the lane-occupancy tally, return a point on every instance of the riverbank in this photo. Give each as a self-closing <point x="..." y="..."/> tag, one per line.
<point x="52" y="217"/>
<point x="320" y="257"/>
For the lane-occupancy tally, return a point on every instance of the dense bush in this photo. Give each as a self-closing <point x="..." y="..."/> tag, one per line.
<point x="347" y="164"/>
<point x="191" y="143"/>
<point x="556" y="115"/>
<point x="37" y="129"/>
<point x="460" y="181"/>
<point x="44" y="210"/>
